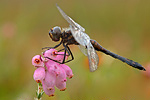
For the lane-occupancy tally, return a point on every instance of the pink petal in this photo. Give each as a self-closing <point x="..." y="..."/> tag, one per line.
<point x="61" y="85"/>
<point x="67" y="70"/>
<point x="48" y="90"/>
<point x="51" y="53"/>
<point x="50" y="63"/>
<point x="37" y="61"/>
<point x="60" y="77"/>
<point x="39" y="74"/>
<point x="49" y="83"/>
<point x="50" y="79"/>
<point x="60" y="57"/>
<point x="60" y="72"/>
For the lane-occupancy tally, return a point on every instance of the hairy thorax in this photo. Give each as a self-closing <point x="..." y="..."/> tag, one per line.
<point x="68" y="38"/>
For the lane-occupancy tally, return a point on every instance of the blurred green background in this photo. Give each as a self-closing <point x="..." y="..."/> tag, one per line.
<point x="122" y="26"/>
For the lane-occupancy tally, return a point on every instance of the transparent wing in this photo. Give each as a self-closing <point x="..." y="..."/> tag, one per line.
<point x="83" y="50"/>
<point x="93" y="58"/>
<point x="69" y="20"/>
<point x="83" y="39"/>
<point x="77" y="30"/>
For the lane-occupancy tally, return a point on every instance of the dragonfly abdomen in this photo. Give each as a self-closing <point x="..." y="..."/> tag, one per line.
<point x="132" y="63"/>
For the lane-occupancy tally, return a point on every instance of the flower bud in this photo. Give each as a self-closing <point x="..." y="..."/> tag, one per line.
<point x="48" y="90"/>
<point x="61" y="85"/>
<point x="51" y="53"/>
<point x="60" y="56"/>
<point x="39" y="74"/>
<point x="37" y="61"/>
<point x="50" y="79"/>
<point x="67" y="70"/>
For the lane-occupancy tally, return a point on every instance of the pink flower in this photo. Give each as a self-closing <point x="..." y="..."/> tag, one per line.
<point x="37" y="61"/>
<point x="51" y="53"/>
<point x="49" y="83"/>
<point x="39" y="74"/>
<point x="60" y="74"/>
<point x="67" y="70"/>
<point x="60" y="56"/>
<point x="51" y="73"/>
<point x="48" y="90"/>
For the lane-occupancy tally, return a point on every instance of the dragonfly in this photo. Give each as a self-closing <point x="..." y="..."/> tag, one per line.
<point x="75" y="35"/>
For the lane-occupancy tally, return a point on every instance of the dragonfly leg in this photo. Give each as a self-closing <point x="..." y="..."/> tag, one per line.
<point x="54" y="60"/>
<point x="53" y="47"/>
<point x="64" y="54"/>
<point x="67" y="50"/>
<point x="61" y="50"/>
<point x="60" y="54"/>
<point x="69" y="53"/>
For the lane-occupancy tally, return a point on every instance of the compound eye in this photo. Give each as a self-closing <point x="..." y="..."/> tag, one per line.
<point x="57" y="30"/>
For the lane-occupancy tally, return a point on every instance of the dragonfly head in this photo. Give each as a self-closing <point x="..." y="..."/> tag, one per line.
<point x="55" y="33"/>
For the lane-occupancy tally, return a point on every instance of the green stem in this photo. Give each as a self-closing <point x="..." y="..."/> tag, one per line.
<point x="39" y="92"/>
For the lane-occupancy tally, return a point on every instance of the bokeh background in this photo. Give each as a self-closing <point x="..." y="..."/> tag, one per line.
<point x="122" y="26"/>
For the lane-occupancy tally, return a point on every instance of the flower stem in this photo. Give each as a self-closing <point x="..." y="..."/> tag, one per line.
<point x="39" y="92"/>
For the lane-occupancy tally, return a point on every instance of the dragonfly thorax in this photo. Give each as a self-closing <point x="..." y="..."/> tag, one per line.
<point x="55" y="33"/>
